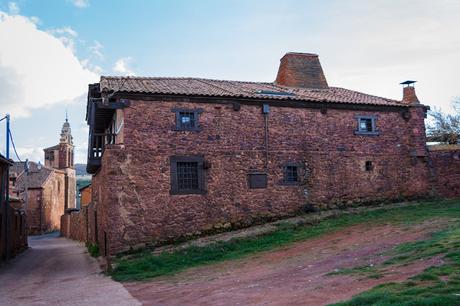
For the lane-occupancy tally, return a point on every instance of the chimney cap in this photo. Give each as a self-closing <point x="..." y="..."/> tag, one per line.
<point x="300" y="54"/>
<point x="408" y="83"/>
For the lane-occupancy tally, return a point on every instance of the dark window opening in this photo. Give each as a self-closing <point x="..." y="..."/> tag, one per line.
<point x="291" y="174"/>
<point x="257" y="180"/>
<point x="187" y="120"/>
<point x="366" y="125"/>
<point x="49" y="155"/>
<point x="187" y="175"/>
<point x="369" y="166"/>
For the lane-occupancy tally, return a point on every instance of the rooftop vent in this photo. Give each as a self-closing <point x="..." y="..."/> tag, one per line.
<point x="274" y="93"/>
<point x="301" y="70"/>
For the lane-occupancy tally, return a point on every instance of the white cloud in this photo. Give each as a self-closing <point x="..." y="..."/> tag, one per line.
<point x="37" y="69"/>
<point x="122" y="66"/>
<point x="66" y="35"/>
<point x="96" y="48"/>
<point x="386" y="42"/>
<point x="81" y="153"/>
<point x="80" y="3"/>
<point x="64" y="31"/>
<point x="13" y="8"/>
<point x="34" y="154"/>
<point x="35" y="20"/>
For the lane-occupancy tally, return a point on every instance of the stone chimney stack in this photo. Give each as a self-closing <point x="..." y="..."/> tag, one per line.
<point x="409" y="96"/>
<point x="301" y="70"/>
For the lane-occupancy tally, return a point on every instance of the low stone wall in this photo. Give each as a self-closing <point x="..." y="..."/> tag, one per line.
<point x="446" y="170"/>
<point x="75" y="225"/>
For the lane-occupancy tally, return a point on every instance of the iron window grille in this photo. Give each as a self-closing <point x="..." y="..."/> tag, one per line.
<point x="366" y="125"/>
<point x="187" y="119"/>
<point x="291" y="174"/>
<point x="187" y="175"/>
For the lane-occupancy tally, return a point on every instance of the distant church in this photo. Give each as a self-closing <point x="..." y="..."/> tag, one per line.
<point x="51" y="188"/>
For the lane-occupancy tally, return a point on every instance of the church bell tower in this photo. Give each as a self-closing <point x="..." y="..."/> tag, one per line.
<point x="66" y="146"/>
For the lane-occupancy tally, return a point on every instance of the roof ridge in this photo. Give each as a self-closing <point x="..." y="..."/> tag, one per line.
<point x="180" y="78"/>
<point x="362" y="93"/>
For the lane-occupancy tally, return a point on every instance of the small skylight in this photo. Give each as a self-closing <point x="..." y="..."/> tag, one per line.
<point x="274" y="93"/>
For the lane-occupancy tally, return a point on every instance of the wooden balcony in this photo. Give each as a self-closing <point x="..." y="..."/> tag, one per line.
<point x="96" y="146"/>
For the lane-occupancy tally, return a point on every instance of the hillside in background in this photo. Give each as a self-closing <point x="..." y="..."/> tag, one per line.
<point x="80" y="169"/>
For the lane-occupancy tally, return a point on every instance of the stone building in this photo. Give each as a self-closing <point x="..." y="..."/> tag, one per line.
<point x="61" y="157"/>
<point x="13" y="237"/>
<point x="85" y="195"/>
<point x="50" y="189"/>
<point x="176" y="157"/>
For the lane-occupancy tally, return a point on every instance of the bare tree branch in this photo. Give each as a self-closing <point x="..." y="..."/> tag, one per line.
<point x="445" y="127"/>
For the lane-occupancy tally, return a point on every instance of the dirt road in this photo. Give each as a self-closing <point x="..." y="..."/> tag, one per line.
<point x="58" y="271"/>
<point x="295" y="275"/>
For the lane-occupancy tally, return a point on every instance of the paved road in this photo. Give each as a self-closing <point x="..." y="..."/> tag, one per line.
<point x="58" y="271"/>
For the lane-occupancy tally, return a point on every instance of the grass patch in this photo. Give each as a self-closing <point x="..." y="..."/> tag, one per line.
<point x="427" y="288"/>
<point x="364" y="271"/>
<point x="93" y="249"/>
<point x="144" y="265"/>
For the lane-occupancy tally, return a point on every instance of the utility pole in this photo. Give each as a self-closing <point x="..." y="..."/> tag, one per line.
<point x="7" y="191"/>
<point x="7" y="136"/>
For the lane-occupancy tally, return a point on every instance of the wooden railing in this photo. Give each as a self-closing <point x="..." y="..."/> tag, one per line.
<point x="97" y="144"/>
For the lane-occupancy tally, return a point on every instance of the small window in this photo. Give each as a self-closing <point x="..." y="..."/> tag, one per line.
<point x="291" y="174"/>
<point x="187" y="120"/>
<point x="369" y="166"/>
<point x="187" y="175"/>
<point x="257" y="180"/>
<point x="366" y="125"/>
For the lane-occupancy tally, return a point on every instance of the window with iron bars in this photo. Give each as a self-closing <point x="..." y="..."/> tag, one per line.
<point x="366" y="125"/>
<point x="187" y="175"/>
<point x="187" y="119"/>
<point x="291" y="173"/>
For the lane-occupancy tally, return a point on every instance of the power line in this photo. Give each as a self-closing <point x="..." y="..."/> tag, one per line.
<point x="14" y="147"/>
<point x="3" y="118"/>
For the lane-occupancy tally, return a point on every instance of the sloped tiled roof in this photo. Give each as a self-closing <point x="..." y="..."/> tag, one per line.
<point x="36" y="178"/>
<point x="56" y="147"/>
<point x="238" y="89"/>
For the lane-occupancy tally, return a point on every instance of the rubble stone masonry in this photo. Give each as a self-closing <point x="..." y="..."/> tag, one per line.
<point x="131" y="190"/>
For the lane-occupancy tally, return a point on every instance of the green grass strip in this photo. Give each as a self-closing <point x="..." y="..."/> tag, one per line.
<point x="144" y="265"/>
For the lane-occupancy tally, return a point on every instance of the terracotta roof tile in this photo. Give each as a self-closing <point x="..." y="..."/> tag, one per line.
<point x="36" y="178"/>
<point x="238" y="89"/>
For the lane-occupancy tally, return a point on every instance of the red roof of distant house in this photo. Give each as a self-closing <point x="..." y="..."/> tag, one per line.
<point x="238" y="89"/>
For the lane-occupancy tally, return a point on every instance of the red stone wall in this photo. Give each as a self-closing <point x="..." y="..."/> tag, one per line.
<point x="75" y="225"/>
<point x="446" y="170"/>
<point x="46" y="205"/>
<point x="34" y="212"/>
<point x="132" y="188"/>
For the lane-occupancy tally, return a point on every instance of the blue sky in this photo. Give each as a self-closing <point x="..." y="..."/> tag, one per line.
<point x="51" y="49"/>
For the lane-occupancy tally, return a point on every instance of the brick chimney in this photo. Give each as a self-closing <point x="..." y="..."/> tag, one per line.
<point x="301" y="70"/>
<point x="409" y="96"/>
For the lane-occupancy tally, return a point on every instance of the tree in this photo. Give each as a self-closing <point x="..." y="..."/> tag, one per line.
<point x="445" y="127"/>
